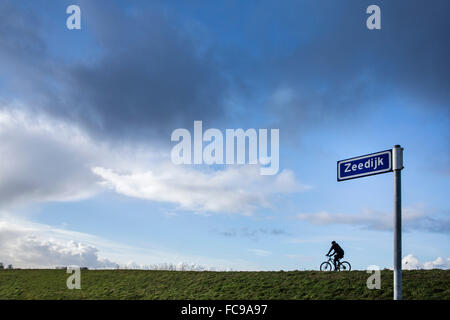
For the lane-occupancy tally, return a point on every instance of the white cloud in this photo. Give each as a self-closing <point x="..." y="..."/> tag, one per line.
<point x="414" y="217"/>
<point x="27" y="246"/>
<point x="236" y="189"/>
<point x="439" y="263"/>
<point x="44" y="159"/>
<point x="410" y="262"/>
<point x="260" y="252"/>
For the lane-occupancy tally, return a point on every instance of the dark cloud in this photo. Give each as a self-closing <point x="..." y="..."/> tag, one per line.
<point x="337" y="70"/>
<point x="158" y="67"/>
<point x="25" y="68"/>
<point x="151" y="75"/>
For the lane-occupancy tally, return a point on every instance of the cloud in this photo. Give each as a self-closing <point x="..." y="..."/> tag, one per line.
<point x="439" y="263"/>
<point x="253" y="233"/>
<point x="21" y="47"/>
<point x="28" y="247"/>
<point x="410" y="262"/>
<point x="147" y="71"/>
<point x="413" y="218"/>
<point x="43" y="160"/>
<point x="260" y="252"/>
<point x="236" y="189"/>
<point x="153" y="68"/>
<point x="340" y="67"/>
<point x="28" y="244"/>
<point x="46" y="159"/>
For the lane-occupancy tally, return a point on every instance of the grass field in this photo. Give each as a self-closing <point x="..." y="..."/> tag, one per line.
<point x="141" y="284"/>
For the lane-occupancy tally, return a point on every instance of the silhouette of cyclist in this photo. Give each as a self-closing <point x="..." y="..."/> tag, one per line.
<point x="338" y="253"/>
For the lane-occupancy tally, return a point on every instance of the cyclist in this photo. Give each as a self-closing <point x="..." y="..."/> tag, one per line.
<point x="338" y="253"/>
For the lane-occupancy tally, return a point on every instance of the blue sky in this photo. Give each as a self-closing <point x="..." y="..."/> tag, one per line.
<point x="86" y="117"/>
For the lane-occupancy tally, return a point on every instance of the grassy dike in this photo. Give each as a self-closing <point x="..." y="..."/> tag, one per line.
<point x="141" y="284"/>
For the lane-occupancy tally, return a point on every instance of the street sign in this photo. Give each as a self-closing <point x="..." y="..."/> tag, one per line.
<point x="375" y="163"/>
<point x="362" y="166"/>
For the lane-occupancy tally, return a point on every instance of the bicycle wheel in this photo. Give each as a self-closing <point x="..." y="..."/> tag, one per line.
<point x="345" y="266"/>
<point x="326" y="266"/>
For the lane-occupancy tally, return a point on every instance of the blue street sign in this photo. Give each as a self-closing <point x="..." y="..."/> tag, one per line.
<point x="362" y="166"/>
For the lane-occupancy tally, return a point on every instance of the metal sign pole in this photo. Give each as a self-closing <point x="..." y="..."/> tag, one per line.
<point x="376" y="163"/>
<point x="397" y="157"/>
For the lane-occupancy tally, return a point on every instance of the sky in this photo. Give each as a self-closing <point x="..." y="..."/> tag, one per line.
<point x="86" y="118"/>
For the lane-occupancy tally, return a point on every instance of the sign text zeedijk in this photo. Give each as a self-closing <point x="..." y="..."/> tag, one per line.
<point x="362" y="166"/>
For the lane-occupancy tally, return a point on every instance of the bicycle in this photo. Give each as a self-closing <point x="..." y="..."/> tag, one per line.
<point x="341" y="265"/>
